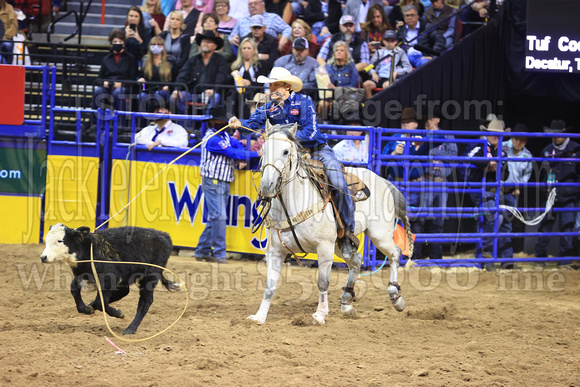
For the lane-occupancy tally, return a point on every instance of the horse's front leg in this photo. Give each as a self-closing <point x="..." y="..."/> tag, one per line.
<point x="325" y="253"/>
<point x="274" y="260"/>
<point x="354" y="264"/>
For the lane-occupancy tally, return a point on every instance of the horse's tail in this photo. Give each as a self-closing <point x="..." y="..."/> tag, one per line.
<point x="401" y="213"/>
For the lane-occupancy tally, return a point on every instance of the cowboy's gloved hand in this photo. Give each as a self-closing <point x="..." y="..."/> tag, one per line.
<point x="234" y="123"/>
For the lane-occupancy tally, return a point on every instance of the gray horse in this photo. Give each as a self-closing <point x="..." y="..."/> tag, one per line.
<point x="284" y="184"/>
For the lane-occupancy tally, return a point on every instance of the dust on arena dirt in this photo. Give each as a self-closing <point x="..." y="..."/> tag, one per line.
<point x="460" y="327"/>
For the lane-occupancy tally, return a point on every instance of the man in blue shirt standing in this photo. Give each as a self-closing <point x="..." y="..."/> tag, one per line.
<point x="290" y="107"/>
<point x="218" y="152"/>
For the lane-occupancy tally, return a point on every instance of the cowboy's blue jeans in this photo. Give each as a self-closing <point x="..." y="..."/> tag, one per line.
<point x="215" y="202"/>
<point x="336" y="177"/>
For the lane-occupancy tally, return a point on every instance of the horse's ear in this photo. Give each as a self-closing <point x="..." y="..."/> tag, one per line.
<point x="293" y="129"/>
<point x="268" y="127"/>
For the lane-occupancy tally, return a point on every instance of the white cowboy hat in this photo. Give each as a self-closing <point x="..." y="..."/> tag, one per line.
<point x="280" y="74"/>
<point x="495" y="126"/>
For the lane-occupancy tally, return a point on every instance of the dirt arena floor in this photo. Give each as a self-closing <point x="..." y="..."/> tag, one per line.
<point x="506" y="328"/>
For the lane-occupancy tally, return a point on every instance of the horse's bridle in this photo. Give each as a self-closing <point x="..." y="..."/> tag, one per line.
<point x="287" y="166"/>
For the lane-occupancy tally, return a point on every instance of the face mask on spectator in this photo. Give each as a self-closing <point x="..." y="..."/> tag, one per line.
<point x="155" y="50"/>
<point x="117" y="47"/>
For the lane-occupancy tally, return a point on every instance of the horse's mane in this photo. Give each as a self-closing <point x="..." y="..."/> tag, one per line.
<point x="285" y="129"/>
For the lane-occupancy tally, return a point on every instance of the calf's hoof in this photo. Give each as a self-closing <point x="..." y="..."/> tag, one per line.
<point x="89" y="310"/>
<point x="129" y="331"/>
<point x="118" y="313"/>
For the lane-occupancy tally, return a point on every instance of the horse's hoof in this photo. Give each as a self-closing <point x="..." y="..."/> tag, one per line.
<point x="399" y="304"/>
<point x="256" y="319"/>
<point x="318" y="319"/>
<point x="119" y="314"/>
<point x="89" y="310"/>
<point x="347" y="310"/>
<point x="129" y="331"/>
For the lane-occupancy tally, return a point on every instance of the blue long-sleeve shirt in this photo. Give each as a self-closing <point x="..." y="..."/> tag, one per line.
<point x="298" y="108"/>
<point x="218" y="153"/>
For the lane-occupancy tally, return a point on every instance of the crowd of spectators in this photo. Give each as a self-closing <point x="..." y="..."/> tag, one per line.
<point x="353" y="41"/>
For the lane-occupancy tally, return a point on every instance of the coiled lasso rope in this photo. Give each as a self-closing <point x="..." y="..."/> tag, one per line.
<point x="549" y="204"/>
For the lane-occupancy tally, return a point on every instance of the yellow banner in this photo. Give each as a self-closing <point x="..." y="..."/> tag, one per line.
<point x="71" y="191"/>
<point x="20" y="219"/>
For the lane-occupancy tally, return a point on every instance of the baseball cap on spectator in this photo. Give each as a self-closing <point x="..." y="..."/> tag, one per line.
<point x="346" y="19"/>
<point x="390" y="34"/>
<point x="257" y="21"/>
<point x="300" y="43"/>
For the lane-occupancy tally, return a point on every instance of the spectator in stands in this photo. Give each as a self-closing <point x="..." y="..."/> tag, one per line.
<point x="239" y="9"/>
<point x="210" y="22"/>
<point x="520" y="172"/>
<point x="299" y="63"/>
<point x="153" y="16"/>
<point x="301" y="29"/>
<point x="281" y="8"/>
<point x="324" y="17"/>
<point x="219" y="151"/>
<point x="374" y="28"/>
<point x="422" y="147"/>
<point x="267" y="47"/>
<point x="474" y="16"/>
<point x="24" y="13"/>
<point x="439" y="12"/>
<point x="289" y="107"/>
<point x="190" y="16"/>
<point x="177" y="43"/>
<point x="566" y="197"/>
<point x="162" y="131"/>
<point x="249" y="68"/>
<point x="486" y="172"/>
<point x="208" y="68"/>
<point x="410" y="32"/>
<point x="352" y="150"/>
<point x="227" y="23"/>
<point x="341" y="71"/>
<point x="397" y="19"/>
<point x="156" y="68"/>
<point x="275" y="25"/>
<point x="8" y="19"/>
<point x="382" y="60"/>
<point x="119" y="65"/>
<point x="359" y="48"/>
<point x="257" y="102"/>
<point x="358" y="9"/>
<point x="436" y="196"/>
<point x="137" y="35"/>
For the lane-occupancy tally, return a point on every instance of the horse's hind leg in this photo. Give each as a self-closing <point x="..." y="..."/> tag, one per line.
<point x="388" y="247"/>
<point x="348" y="291"/>
<point x="274" y="262"/>
<point x="325" y="255"/>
